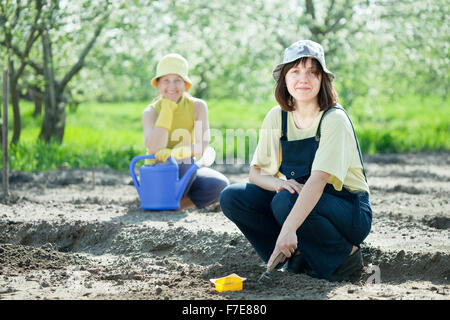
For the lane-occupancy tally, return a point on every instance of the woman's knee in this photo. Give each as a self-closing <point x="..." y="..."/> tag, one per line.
<point x="282" y="204"/>
<point x="207" y="187"/>
<point x="214" y="187"/>
<point x="245" y="197"/>
<point x="228" y="198"/>
<point x="221" y="184"/>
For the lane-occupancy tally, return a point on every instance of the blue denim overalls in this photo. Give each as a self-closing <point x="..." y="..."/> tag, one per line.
<point x="339" y="220"/>
<point x="297" y="160"/>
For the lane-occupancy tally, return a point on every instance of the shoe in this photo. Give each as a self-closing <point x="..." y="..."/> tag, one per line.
<point x="350" y="266"/>
<point x="297" y="264"/>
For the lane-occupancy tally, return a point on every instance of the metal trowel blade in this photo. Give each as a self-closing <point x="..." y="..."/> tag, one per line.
<point x="265" y="274"/>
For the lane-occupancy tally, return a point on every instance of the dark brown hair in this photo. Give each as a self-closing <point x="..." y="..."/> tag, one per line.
<point x="327" y="96"/>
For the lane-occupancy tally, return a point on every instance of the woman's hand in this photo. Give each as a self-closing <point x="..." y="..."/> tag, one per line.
<point x="290" y="185"/>
<point x="286" y="243"/>
<point x="268" y="182"/>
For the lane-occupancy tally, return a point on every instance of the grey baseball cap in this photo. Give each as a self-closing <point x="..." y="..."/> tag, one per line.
<point x="300" y="49"/>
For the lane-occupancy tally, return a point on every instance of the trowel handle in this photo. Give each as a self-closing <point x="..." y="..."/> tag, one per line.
<point x="133" y="164"/>
<point x="276" y="261"/>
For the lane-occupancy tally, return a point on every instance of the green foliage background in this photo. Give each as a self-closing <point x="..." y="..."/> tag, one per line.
<point x="390" y="58"/>
<point x="110" y="134"/>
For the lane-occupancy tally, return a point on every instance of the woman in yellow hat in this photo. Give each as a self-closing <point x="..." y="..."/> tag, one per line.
<point x="176" y="124"/>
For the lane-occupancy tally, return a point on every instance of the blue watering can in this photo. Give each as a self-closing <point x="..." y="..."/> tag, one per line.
<point x="159" y="187"/>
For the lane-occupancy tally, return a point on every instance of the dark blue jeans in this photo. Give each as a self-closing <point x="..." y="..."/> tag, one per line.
<point x="204" y="186"/>
<point x="326" y="236"/>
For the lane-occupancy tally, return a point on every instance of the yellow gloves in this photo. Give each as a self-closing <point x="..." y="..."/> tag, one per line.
<point x="165" y="117"/>
<point x="164" y="154"/>
<point x="165" y="120"/>
<point x="149" y="162"/>
<point x="181" y="152"/>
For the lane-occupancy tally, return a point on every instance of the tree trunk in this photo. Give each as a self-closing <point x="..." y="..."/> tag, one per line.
<point x="1" y="111"/>
<point x="54" y="101"/>
<point x="54" y="115"/>
<point x="37" y="96"/>
<point x="54" y="119"/>
<point x="17" y="126"/>
<point x="37" y="107"/>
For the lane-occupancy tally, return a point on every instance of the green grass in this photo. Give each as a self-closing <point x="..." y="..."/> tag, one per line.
<point x="404" y="125"/>
<point x="225" y="114"/>
<point x="110" y="134"/>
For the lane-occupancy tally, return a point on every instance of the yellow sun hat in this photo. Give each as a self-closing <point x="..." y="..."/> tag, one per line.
<point x="173" y="63"/>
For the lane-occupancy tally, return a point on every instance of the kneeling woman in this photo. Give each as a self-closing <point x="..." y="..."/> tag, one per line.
<point x="176" y="124"/>
<point x="308" y="196"/>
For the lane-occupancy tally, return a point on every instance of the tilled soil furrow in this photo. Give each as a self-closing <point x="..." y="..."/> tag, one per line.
<point x="80" y="234"/>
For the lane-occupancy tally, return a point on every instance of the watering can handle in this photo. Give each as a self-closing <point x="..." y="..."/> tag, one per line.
<point x="139" y="158"/>
<point x="133" y="164"/>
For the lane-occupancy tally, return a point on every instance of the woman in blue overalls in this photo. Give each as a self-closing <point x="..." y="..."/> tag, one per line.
<point x="308" y="197"/>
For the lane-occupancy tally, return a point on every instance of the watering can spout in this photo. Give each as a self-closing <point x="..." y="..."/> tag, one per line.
<point x="182" y="183"/>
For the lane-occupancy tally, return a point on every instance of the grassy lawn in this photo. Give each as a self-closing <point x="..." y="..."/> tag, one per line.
<point x="110" y="134"/>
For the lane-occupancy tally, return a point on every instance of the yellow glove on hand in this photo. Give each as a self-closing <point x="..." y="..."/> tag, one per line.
<point x="182" y="152"/>
<point x="162" y="155"/>
<point x="149" y="162"/>
<point x="177" y="153"/>
<point x="165" y="117"/>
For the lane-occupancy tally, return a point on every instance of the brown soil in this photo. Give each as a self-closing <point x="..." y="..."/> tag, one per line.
<point x="65" y="236"/>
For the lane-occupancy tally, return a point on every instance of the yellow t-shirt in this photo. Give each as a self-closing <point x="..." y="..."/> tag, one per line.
<point x="182" y="131"/>
<point x="337" y="153"/>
